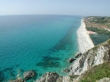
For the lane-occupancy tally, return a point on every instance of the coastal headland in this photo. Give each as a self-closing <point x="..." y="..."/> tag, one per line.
<point x="84" y="41"/>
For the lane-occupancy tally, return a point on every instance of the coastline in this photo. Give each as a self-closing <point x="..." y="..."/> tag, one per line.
<point x="85" y="61"/>
<point x="84" y="44"/>
<point x="84" y="41"/>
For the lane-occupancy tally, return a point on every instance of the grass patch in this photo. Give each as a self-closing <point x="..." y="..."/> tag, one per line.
<point x="96" y="73"/>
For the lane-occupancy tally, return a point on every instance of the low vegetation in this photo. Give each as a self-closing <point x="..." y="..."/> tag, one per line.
<point x="100" y="19"/>
<point x="96" y="73"/>
<point x="97" y="21"/>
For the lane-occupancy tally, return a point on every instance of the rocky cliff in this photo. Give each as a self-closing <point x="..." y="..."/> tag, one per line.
<point x="92" y="57"/>
<point x="88" y="60"/>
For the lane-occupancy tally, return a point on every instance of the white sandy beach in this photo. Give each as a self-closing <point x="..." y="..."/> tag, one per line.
<point x="84" y="41"/>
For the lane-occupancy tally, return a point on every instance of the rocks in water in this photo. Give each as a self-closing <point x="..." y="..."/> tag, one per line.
<point x="26" y="76"/>
<point x="29" y="74"/>
<point x="78" y="54"/>
<point x="66" y="70"/>
<point x="17" y="80"/>
<point x="49" y="77"/>
<point x="70" y="60"/>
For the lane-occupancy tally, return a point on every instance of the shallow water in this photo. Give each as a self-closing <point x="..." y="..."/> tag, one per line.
<point x="39" y="42"/>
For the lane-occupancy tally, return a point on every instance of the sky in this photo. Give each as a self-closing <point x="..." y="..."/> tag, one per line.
<point x="56" y="7"/>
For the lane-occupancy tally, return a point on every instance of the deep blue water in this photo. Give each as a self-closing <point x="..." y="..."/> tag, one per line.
<point x="36" y="42"/>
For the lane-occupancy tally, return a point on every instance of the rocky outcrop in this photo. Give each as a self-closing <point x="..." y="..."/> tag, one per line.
<point x="49" y="77"/>
<point x="66" y="70"/>
<point x="92" y="57"/>
<point x="29" y="74"/>
<point x="65" y="79"/>
<point x="78" y="54"/>
<point x="53" y="77"/>
<point x="70" y="60"/>
<point x="17" y="80"/>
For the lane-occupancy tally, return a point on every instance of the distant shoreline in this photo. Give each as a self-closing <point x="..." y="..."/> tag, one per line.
<point x="84" y="41"/>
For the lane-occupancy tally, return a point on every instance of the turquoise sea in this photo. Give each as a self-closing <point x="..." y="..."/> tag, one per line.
<point x="36" y="42"/>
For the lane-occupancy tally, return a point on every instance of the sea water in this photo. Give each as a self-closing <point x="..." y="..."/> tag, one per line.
<point x="36" y="42"/>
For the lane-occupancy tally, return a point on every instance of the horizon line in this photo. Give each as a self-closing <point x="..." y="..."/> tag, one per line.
<point x="53" y="14"/>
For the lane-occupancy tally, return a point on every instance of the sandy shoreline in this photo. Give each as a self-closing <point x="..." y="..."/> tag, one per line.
<point x="84" y="41"/>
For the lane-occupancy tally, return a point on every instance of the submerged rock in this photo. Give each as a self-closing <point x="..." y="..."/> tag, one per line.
<point x="49" y="77"/>
<point x="29" y="74"/>
<point x="48" y="63"/>
<point x="70" y="60"/>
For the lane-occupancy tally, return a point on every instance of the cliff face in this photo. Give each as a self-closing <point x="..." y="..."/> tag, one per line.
<point x="93" y="57"/>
